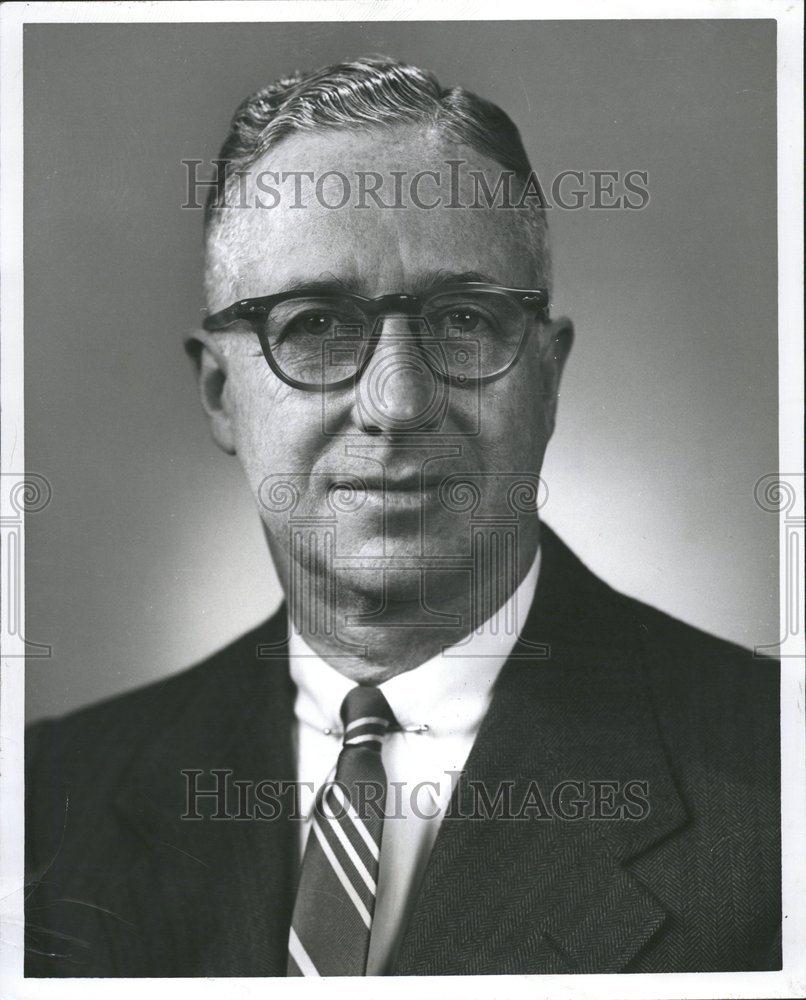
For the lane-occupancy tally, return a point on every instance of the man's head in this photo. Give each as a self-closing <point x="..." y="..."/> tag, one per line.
<point x="421" y="408"/>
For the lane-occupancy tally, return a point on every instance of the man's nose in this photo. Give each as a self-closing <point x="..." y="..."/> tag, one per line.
<point x="398" y="391"/>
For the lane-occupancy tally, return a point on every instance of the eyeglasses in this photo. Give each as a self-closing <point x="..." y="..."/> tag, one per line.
<point x="468" y="334"/>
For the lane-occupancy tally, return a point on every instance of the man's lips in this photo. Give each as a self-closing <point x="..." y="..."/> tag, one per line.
<point x="403" y="489"/>
<point x="407" y="482"/>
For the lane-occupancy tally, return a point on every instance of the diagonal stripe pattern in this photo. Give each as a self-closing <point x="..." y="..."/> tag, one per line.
<point x="332" y="919"/>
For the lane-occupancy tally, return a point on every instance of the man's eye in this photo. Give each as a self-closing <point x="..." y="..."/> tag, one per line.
<point x="463" y="319"/>
<point x="317" y="323"/>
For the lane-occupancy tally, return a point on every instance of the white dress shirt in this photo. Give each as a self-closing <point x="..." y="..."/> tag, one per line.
<point x="441" y="703"/>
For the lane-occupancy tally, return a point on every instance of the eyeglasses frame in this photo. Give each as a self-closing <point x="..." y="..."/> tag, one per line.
<point x="532" y="301"/>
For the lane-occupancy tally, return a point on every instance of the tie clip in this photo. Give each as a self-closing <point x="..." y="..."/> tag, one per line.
<point x="422" y="727"/>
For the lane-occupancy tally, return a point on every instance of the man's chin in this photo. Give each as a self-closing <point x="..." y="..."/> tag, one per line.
<point x="369" y="555"/>
<point x="405" y="546"/>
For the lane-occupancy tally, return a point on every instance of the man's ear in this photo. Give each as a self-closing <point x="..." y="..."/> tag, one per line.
<point x="557" y="338"/>
<point x="211" y="373"/>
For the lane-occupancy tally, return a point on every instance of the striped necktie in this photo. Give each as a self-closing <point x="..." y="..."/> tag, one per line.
<point x="332" y="919"/>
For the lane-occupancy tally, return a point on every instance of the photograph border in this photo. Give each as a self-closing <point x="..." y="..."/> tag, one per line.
<point x="785" y="492"/>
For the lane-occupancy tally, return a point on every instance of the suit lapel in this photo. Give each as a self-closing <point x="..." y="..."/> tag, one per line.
<point x="214" y="894"/>
<point x="552" y="894"/>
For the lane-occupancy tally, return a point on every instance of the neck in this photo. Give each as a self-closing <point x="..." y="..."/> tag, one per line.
<point x="372" y="635"/>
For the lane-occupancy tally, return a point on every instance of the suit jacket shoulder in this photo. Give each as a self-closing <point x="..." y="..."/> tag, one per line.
<point x="103" y="781"/>
<point x="698" y="683"/>
<point x="94" y="744"/>
<point x="718" y="703"/>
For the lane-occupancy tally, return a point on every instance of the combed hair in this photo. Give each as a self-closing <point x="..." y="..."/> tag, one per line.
<point x="372" y="93"/>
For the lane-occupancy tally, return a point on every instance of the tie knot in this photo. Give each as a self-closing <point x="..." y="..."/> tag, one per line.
<point x="367" y="717"/>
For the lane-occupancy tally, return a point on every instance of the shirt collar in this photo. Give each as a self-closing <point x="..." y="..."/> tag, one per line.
<point x="449" y="693"/>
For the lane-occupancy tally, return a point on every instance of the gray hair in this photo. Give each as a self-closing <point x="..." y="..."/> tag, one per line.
<point x="372" y="93"/>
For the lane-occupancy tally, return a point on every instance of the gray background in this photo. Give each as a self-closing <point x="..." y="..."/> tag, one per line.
<point x="150" y="554"/>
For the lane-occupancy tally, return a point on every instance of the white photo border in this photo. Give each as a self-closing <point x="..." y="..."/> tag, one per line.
<point x="791" y="981"/>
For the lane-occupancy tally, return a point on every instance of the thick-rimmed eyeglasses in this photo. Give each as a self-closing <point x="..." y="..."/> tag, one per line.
<point x="468" y="334"/>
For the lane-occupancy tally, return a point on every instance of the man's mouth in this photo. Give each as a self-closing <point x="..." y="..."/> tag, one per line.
<point x="404" y="489"/>
<point x="401" y="482"/>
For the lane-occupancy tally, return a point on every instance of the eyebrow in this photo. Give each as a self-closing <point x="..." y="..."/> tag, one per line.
<point x="430" y="281"/>
<point x="434" y="280"/>
<point x="326" y="284"/>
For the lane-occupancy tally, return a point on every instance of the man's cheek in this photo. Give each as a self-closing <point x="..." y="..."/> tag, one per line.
<point x="258" y="401"/>
<point x="255" y="389"/>
<point x="279" y="437"/>
<point x="513" y="428"/>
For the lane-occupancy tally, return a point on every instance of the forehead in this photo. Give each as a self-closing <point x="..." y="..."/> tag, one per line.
<point x="374" y="248"/>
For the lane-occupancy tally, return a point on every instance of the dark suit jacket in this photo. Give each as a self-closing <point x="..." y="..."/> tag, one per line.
<point x="119" y="885"/>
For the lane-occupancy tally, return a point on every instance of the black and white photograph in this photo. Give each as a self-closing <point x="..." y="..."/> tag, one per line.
<point x="402" y="499"/>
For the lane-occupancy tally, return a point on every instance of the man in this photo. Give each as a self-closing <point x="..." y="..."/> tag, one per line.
<point x="453" y="750"/>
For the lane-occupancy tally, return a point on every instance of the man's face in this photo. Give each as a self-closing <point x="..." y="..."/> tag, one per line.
<point x="380" y="434"/>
